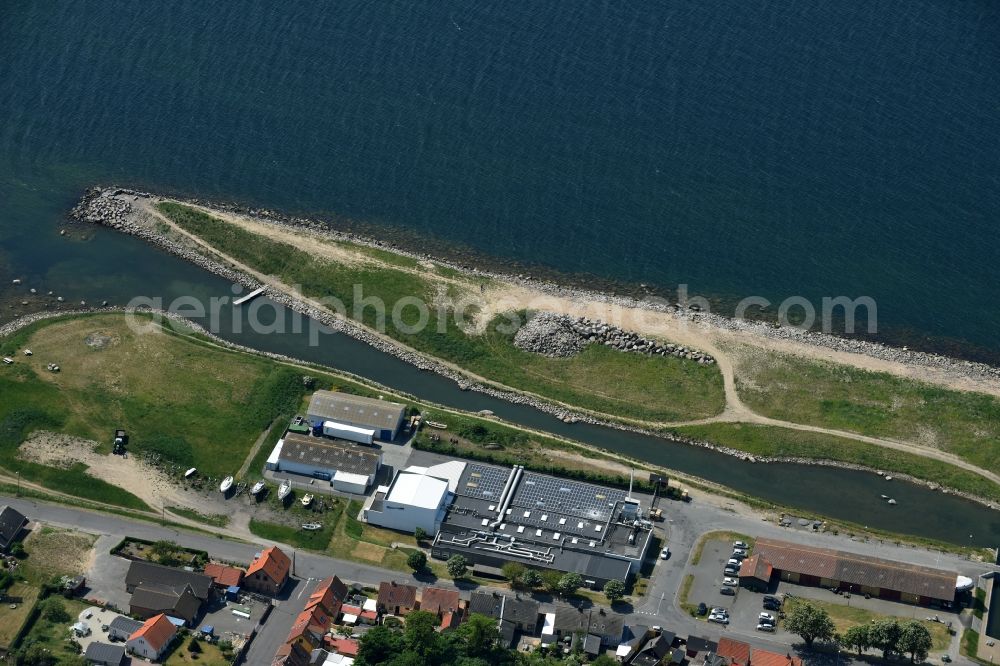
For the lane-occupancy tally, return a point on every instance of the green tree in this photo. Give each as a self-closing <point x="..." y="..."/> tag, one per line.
<point x="18" y="551"/>
<point x="479" y="635"/>
<point x="858" y="637"/>
<point x="604" y="660"/>
<point x="915" y="640"/>
<point x="194" y="647"/>
<point x="54" y="610"/>
<point x="614" y="590"/>
<point x="378" y="646"/>
<point x="569" y="583"/>
<point x="458" y="566"/>
<point x="417" y="560"/>
<point x="551" y="579"/>
<point x="419" y="534"/>
<point x="530" y="579"/>
<point x="885" y="635"/>
<point x="512" y="571"/>
<point x="420" y="635"/>
<point x="810" y="623"/>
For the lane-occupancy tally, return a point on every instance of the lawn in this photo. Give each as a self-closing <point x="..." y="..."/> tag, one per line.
<point x="190" y="404"/>
<point x="871" y="403"/>
<point x="775" y="441"/>
<point x="616" y="384"/>
<point x="53" y="636"/>
<point x="12" y="619"/>
<point x="54" y="551"/>
<point x="845" y="617"/>
<point x="209" y="655"/>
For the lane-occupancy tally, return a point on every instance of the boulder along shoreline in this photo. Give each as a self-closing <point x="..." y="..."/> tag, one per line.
<point x="100" y="205"/>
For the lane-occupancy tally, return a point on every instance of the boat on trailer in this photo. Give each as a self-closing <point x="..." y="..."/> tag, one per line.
<point x="226" y="484"/>
<point x="307" y="499"/>
<point x="284" y="489"/>
<point x="257" y="487"/>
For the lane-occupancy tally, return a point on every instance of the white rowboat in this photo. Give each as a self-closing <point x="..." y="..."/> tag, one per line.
<point x="188" y="474"/>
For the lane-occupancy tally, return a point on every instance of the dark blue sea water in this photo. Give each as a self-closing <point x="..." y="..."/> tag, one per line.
<point x="742" y="147"/>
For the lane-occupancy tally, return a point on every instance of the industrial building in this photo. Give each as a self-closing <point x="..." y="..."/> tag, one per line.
<point x="858" y="574"/>
<point x="383" y="417"/>
<point x="348" y="467"/>
<point x="417" y="497"/>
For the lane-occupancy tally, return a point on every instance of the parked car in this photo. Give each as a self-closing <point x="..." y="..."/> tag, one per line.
<point x="718" y="619"/>
<point x="665" y="554"/>
<point x="719" y="610"/>
<point x="728" y="591"/>
<point x="702" y="608"/>
<point x="731" y="571"/>
<point x="766" y="617"/>
<point x="765" y="627"/>
<point x="739" y="552"/>
<point x="733" y="562"/>
<point x="740" y="544"/>
<point x="739" y="557"/>
<point x="730" y="581"/>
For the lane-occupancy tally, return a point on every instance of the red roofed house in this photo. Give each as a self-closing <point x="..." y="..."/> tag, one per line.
<point x="736" y="652"/>
<point x="222" y="576"/>
<point x="446" y="604"/>
<point x="268" y="573"/>
<point x="755" y="573"/>
<point x="328" y="595"/>
<point x="345" y="646"/>
<point x="308" y="629"/>
<point x="768" y="658"/>
<point x="152" y="638"/>
<point x="396" y="599"/>
<point x="291" y="655"/>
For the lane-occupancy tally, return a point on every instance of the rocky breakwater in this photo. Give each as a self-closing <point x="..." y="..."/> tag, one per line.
<point x="558" y="335"/>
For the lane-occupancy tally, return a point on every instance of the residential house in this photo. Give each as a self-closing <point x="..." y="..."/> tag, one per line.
<point x="697" y="647"/>
<point x="633" y="639"/>
<point x="768" y="658"/>
<point x="655" y="651"/>
<point x="291" y="655"/>
<point x="223" y="576"/>
<point x="396" y="599"/>
<point x="346" y="647"/>
<point x="151" y="599"/>
<point x="141" y="572"/>
<point x="122" y="627"/>
<point x="515" y="615"/>
<point x="610" y="626"/>
<point x="329" y="595"/>
<point x="737" y="653"/>
<point x="308" y="629"/>
<point x="12" y="523"/>
<point x="268" y="572"/>
<point x="104" y="654"/>
<point x="446" y="604"/>
<point x="153" y="638"/>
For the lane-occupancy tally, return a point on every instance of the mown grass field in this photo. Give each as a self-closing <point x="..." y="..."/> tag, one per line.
<point x="845" y="617"/>
<point x="871" y="403"/>
<point x="616" y="384"/>
<point x="192" y="404"/>
<point x="774" y="441"/>
<point x="12" y="619"/>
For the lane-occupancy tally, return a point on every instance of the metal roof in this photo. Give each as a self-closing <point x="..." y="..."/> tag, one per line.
<point x="858" y="570"/>
<point x="105" y="653"/>
<point x="356" y="409"/>
<point x="330" y="454"/>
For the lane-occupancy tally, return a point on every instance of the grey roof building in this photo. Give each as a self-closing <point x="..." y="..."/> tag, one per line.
<point x="597" y="620"/>
<point x="122" y="627"/>
<point x="501" y="515"/>
<point x="12" y="522"/>
<point x="104" y="654"/>
<point x="382" y="416"/>
<point x="141" y="572"/>
<point x="515" y="614"/>
<point x="151" y="599"/>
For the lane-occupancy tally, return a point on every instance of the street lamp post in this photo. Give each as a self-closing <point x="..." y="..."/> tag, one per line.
<point x="18" y="483"/>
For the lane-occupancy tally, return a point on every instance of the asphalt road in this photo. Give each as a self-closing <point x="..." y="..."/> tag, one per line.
<point x="685" y="524"/>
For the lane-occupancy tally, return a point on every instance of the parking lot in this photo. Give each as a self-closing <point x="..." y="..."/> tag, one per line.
<point x="708" y="575"/>
<point x="97" y="620"/>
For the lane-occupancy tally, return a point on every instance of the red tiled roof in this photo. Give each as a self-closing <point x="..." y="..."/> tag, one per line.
<point x="768" y="658"/>
<point x="437" y="600"/>
<point x="328" y="593"/>
<point x="157" y="631"/>
<point x="273" y="562"/>
<point x="350" y="610"/>
<point x="393" y="594"/>
<point x="858" y="570"/>
<point x="345" y="646"/>
<point x="737" y="652"/>
<point x="223" y="575"/>
<point x="757" y="567"/>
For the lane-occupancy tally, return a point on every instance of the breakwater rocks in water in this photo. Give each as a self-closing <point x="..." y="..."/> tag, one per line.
<point x="558" y="335"/>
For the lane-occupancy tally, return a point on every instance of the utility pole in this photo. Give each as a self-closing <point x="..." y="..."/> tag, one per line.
<point x="18" y="483"/>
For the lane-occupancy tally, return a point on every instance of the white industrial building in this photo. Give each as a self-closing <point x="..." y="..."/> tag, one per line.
<point x="349" y="432"/>
<point x="417" y="497"/>
<point x="381" y="416"/>
<point x="349" y="467"/>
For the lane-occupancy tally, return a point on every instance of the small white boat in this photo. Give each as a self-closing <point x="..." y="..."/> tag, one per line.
<point x="284" y="489"/>
<point x="312" y="527"/>
<point x="191" y="472"/>
<point x="437" y="425"/>
<point x="27" y="352"/>
<point x="257" y="487"/>
<point x="307" y="499"/>
<point x="7" y="360"/>
<point x="888" y="478"/>
<point x="226" y="484"/>
<point x="885" y="497"/>
<point x="892" y="502"/>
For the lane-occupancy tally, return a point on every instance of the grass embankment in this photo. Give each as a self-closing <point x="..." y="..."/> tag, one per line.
<point x="871" y="403"/>
<point x="774" y="441"/>
<point x="216" y="520"/>
<point x="844" y="617"/>
<point x="188" y="403"/>
<point x="683" y="593"/>
<point x="615" y="384"/>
